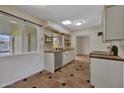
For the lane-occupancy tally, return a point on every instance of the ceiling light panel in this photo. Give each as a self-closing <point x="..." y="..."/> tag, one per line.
<point x="79" y="22"/>
<point x="66" y="22"/>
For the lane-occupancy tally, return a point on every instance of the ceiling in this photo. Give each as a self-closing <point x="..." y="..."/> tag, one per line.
<point x="58" y="13"/>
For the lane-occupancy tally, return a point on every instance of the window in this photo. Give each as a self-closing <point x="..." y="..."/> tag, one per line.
<point x="10" y="35"/>
<point x="5" y="46"/>
<point x="30" y="38"/>
<point x="55" y="42"/>
<point x="17" y="36"/>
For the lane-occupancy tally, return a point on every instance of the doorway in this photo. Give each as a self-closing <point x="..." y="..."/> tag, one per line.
<point x="82" y="45"/>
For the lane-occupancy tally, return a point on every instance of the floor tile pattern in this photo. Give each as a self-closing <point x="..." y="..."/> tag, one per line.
<point x="73" y="75"/>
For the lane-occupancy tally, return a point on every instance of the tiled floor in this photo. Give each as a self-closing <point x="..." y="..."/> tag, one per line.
<point x="73" y="75"/>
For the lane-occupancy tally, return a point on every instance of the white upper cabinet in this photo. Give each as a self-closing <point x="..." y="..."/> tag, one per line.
<point x="113" y="23"/>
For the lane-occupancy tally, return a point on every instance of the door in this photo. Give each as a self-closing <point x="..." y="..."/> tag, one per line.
<point x="83" y="45"/>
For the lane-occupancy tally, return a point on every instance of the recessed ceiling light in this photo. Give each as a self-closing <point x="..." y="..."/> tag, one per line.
<point x="79" y="22"/>
<point x="66" y="22"/>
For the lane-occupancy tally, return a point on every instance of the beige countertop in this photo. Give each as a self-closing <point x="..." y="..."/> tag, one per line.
<point x="57" y="51"/>
<point x="105" y="55"/>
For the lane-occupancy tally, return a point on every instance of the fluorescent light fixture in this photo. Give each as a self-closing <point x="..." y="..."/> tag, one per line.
<point x="66" y="22"/>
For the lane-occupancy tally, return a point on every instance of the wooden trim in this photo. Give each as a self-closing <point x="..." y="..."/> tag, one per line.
<point x="8" y="14"/>
<point x="100" y="57"/>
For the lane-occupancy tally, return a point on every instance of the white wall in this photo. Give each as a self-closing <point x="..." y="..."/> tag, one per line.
<point x="83" y="45"/>
<point x="14" y="68"/>
<point x="17" y="67"/>
<point x="14" y="11"/>
<point x="56" y="27"/>
<point x="96" y="43"/>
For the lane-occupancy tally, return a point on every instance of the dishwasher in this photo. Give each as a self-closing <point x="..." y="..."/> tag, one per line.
<point x="58" y="60"/>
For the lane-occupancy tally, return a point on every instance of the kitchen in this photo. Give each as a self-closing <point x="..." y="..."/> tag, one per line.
<point x="47" y="47"/>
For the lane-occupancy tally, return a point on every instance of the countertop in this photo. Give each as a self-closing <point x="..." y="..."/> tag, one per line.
<point x="105" y="55"/>
<point x="58" y="51"/>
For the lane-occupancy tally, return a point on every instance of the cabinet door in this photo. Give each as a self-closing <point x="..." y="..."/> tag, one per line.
<point x="49" y="62"/>
<point x="68" y="56"/>
<point x="106" y="73"/>
<point x="114" y="23"/>
<point x="72" y="55"/>
<point x="65" y="58"/>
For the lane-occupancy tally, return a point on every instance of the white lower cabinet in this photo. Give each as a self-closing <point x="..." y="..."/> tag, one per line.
<point x="106" y="73"/>
<point x="72" y="54"/>
<point x="65" y="58"/>
<point x="68" y="56"/>
<point x="50" y="60"/>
